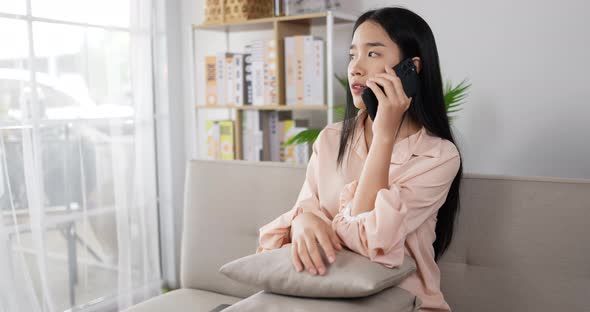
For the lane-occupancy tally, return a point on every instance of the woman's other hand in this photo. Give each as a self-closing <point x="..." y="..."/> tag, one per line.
<point x="307" y="230"/>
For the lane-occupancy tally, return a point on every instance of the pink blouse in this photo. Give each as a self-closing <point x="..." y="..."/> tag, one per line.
<point x="403" y="220"/>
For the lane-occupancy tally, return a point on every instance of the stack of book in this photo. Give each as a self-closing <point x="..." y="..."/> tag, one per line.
<point x="263" y="134"/>
<point x="243" y="78"/>
<point x="251" y="78"/>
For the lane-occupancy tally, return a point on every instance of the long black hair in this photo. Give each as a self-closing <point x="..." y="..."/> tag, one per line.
<point x="414" y="38"/>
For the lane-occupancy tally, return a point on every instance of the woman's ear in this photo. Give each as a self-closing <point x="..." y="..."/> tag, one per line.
<point x="417" y="63"/>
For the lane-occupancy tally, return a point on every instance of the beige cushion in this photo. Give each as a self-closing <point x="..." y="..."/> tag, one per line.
<point x="393" y="299"/>
<point x="184" y="300"/>
<point x="351" y="275"/>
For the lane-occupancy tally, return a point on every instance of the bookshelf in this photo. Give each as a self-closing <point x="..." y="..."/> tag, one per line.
<point x="276" y="28"/>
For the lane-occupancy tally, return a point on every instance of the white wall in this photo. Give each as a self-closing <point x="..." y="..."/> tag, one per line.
<point x="529" y="110"/>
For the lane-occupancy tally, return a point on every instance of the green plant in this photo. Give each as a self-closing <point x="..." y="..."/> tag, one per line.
<point x="454" y="97"/>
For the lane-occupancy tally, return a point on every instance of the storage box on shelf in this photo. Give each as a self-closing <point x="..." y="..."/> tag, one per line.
<point x="282" y="27"/>
<point x="223" y="11"/>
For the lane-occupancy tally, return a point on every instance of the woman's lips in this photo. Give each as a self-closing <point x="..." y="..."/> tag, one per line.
<point x="357" y="88"/>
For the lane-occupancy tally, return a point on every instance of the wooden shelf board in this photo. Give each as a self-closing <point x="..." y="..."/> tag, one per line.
<point x="260" y="23"/>
<point x="266" y="107"/>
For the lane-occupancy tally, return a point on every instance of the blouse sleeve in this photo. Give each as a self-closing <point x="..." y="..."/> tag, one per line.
<point x="277" y="232"/>
<point x="380" y="234"/>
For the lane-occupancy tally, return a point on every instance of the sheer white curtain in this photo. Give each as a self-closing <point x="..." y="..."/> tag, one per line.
<point x="78" y="183"/>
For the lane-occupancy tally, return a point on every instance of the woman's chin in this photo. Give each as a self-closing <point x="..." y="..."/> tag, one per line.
<point x="359" y="105"/>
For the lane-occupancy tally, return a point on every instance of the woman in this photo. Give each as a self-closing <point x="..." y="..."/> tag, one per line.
<point x="387" y="187"/>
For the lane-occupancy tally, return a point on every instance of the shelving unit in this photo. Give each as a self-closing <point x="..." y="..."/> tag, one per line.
<point x="281" y="27"/>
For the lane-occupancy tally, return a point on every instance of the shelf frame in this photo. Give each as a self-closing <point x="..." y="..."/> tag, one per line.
<point x="282" y="26"/>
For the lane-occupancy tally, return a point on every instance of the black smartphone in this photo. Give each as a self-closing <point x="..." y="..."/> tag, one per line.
<point x="406" y="71"/>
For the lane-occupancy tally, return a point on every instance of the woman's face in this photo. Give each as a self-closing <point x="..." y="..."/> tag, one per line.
<point x="371" y="50"/>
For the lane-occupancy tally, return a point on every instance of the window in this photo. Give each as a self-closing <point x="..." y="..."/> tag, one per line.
<point x="77" y="154"/>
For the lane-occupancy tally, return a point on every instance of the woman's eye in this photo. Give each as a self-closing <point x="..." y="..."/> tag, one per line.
<point x="370" y="54"/>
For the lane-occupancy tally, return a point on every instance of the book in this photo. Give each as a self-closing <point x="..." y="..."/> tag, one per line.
<point x="226" y="139"/>
<point x="270" y="73"/>
<point x="299" y="70"/>
<point x="239" y="90"/>
<point x="290" y="78"/>
<point x="274" y="140"/>
<point x="316" y="96"/>
<point x="251" y="135"/>
<point x="308" y="61"/>
<point x="229" y="79"/>
<point x="304" y="70"/>
<point x="248" y="77"/>
<point x="301" y="150"/>
<point x="284" y="127"/>
<point x="222" y="80"/>
<point x="295" y="154"/>
<point x="256" y="49"/>
<point x="211" y="80"/>
<point x="265" y="128"/>
<point x="212" y="129"/>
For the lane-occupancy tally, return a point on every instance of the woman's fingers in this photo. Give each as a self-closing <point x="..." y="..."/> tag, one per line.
<point x="326" y="243"/>
<point x="304" y="256"/>
<point x="314" y="254"/>
<point x="387" y="85"/>
<point x="295" y="257"/>
<point x="397" y="84"/>
<point x="378" y="92"/>
<point x="335" y="240"/>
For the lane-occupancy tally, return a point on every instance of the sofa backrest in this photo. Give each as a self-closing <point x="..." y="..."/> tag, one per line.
<point x="519" y="244"/>
<point x="225" y="205"/>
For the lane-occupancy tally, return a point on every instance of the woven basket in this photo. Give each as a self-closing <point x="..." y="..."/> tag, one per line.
<point x="223" y="11"/>
<point x="213" y="12"/>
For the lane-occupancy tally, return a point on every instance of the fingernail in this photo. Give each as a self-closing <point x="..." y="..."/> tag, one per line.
<point x="312" y="271"/>
<point x="331" y="259"/>
<point x="322" y="271"/>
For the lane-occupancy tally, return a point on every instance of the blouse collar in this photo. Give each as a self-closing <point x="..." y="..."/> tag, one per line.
<point x="419" y="143"/>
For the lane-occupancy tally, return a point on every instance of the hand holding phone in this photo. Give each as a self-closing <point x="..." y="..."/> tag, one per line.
<point x="406" y="71"/>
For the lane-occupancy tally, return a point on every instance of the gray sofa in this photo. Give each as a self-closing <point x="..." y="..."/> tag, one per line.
<point x="521" y="243"/>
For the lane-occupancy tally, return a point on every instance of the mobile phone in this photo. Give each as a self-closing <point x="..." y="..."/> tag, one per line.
<point x="406" y="71"/>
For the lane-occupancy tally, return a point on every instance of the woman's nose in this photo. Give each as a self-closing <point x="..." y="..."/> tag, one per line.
<point x="355" y="68"/>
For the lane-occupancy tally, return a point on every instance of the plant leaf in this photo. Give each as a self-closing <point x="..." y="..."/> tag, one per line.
<point x="343" y="81"/>
<point x="305" y="136"/>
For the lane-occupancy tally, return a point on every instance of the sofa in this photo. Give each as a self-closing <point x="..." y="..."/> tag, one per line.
<point x="521" y="243"/>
